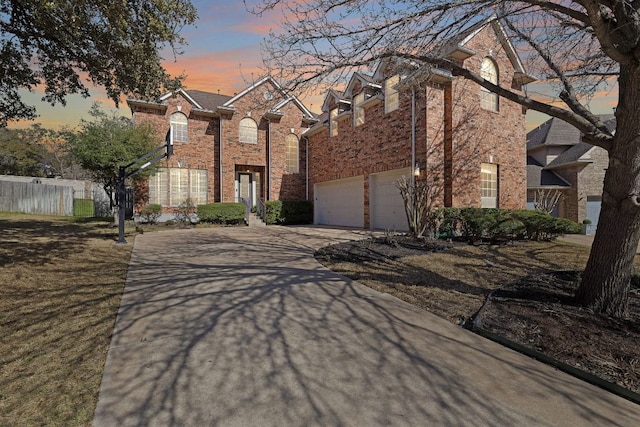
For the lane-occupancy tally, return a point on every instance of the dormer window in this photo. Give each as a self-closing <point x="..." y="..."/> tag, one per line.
<point x="489" y="72"/>
<point x="358" y="109"/>
<point x="391" y="96"/>
<point x="333" y="123"/>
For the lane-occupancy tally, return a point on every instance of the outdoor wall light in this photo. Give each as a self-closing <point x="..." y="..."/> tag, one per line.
<point x="416" y="169"/>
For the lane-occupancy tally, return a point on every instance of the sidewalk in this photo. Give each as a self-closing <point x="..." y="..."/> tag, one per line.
<point x="242" y="327"/>
<point x="582" y="239"/>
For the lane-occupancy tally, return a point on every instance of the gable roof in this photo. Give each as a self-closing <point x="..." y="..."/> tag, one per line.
<point x="577" y="153"/>
<point x="455" y="48"/>
<point x="213" y="103"/>
<point x="365" y="81"/>
<point x="207" y="100"/>
<point x="557" y="132"/>
<point x="288" y="98"/>
<point x="335" y="95"/>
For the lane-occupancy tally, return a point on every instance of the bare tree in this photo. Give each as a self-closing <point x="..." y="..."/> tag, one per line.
<point x="578" y="47"/>
<point x="546" y="200"/>
<point x="420" y="200"/>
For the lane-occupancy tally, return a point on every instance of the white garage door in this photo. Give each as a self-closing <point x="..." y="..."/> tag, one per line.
<point x="340" y="202"/>
<point x="386" y="207"/>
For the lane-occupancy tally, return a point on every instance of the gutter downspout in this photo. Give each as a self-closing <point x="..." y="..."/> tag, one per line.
<point x="413" y="134"/>
<point x="306" y="167"/>
<point x="220" y="159"/>
<point x="268" y="159"/>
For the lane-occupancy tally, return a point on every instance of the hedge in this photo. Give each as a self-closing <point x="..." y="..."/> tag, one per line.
<point x="475" y="224"/>
<point x="289" y="212"/>
<point x="222" y="213"/>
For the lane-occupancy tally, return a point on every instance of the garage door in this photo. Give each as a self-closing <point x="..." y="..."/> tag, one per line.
<point x="340" y="202"/>
<point x="593" y="209"/>
<point x="386" y="207"/>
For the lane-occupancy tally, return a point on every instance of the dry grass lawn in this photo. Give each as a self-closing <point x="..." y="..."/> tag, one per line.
<point x="61" y="283"/>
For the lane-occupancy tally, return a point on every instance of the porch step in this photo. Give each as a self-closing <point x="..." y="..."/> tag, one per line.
<point x="255" y="220"/>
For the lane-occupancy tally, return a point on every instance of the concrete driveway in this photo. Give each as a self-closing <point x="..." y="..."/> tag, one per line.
<point x="242" y="327"/>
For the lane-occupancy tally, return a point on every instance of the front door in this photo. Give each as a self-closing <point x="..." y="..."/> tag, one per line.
<point x="245" y="189"/>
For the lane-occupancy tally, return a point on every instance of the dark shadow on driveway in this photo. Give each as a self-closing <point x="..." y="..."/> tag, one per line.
<point x="243" y="327"/>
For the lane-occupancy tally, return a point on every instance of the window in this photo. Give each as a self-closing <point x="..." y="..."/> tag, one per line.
<point x="248" y="131"/>
<point x="358" y="110"/>
<point x="333" y="123"/>
<point x="179" y="124"/>
<point x="172" y="186"/>
<point x="489" y="185"/>
<point x="391" y="97"/>
<point x="291" y="156"/>
<point x="489" y="72"/>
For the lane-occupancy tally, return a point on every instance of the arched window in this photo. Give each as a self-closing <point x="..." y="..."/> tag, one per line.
<point x="292" y="153"/>
<point x="248" y="131"/>
<point x="180" y="126"/>
<point x="489" y="72"/>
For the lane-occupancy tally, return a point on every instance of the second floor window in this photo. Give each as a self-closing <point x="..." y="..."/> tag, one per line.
<point x="333" y="123"/>
<point x="489" y="72"/>
<point x="180" y="126"/>
<point x="391" y="98"/>
<point x="292" y="154"/>
<point x="358" y="109"/>
<point x="248" y="131"/>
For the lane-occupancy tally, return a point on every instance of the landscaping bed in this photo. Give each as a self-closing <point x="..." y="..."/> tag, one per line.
<point x="532" y="304"/>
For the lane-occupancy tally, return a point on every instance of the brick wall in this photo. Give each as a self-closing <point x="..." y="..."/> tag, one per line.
<point x="487" y="136"/>
<point x="208" y="134"/>
<point x="468" y="138"/>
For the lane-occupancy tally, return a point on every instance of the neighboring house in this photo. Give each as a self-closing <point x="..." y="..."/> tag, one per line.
<point x="228" y="148"/>
<point x="558" y="159"/>
<point x="404" y="120"/>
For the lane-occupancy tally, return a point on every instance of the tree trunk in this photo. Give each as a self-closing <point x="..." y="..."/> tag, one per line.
<point x="606" y="281"/>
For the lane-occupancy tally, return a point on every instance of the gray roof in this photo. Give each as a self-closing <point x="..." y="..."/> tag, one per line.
<point x="538" y="177"/>
<point x="558" y="132"/>
<point x="571" y="155"/>
<point x="208" y="100"/>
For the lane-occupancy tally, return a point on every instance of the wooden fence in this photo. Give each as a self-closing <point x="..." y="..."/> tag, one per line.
<point x="36" y="198"/>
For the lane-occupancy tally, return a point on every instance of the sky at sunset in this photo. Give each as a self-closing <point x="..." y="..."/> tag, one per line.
<point x="223" y="55"/>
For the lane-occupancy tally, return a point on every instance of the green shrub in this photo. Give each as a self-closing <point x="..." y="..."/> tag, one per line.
<point x="450" y="222"/>
<point x="222" y="213"/>
<point x="475" y="224"/>
<point x="542" y="226"/>
<point x="273" y="211"/>
<point x="289" y="212"/>
<point x="151" y="212"/>
<point x="83" y="207"/>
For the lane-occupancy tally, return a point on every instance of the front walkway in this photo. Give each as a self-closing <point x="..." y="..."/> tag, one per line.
<point x="242" y="327"/>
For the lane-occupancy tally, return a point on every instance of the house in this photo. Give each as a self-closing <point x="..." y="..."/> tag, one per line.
<point x="558" y="159"/>
<point x="422" y="123"/>
<point x="403" y="119"/>
<point x="228" y="148"/>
